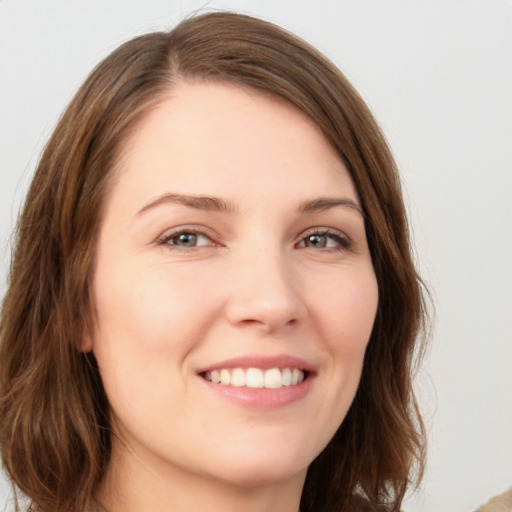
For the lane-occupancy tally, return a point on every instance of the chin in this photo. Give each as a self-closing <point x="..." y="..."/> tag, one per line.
<point x="264" y="468"/>
<point x="257" y="476"/>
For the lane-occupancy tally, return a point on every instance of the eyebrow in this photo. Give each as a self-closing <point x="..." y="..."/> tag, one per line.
<point x="325" y="203"/>
<point x="216" y="204"/>
<point x="198" y="202"/>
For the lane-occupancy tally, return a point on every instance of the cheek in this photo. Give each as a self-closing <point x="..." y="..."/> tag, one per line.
<point x="153" y="309"/>
<point x="343" y="307"/>
<point x="148" y="321"/>
<point x="346" y="311"/>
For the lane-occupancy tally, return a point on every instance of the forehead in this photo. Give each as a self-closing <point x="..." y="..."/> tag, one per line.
<point x="223" y="138"/>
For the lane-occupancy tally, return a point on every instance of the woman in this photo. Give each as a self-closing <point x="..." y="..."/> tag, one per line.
<point x="212" y="302"/>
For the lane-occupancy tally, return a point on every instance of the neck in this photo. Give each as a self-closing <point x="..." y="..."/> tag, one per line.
<point x="133" y="485"/>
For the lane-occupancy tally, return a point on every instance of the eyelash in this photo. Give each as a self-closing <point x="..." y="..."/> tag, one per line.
<point x="344" y="243"/>
<point x="166" y="239"/>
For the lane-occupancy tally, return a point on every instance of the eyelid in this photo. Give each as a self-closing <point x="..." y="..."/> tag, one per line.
<point x="164" y="238"/>
<point x="340" y="237"/>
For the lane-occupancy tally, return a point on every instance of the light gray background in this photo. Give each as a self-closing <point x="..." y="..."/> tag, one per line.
<point x="438" y="76"/>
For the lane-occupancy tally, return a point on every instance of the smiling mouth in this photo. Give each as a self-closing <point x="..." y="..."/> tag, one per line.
<point x="272" y="378"/>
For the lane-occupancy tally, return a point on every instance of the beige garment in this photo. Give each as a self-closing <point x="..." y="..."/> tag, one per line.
<point x="501" y="503"/>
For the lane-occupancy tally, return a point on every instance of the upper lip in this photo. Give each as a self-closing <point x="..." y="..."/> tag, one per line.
<point x="262" y="362"/>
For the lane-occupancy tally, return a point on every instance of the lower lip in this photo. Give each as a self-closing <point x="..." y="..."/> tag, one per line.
<point x="262" y="398"/>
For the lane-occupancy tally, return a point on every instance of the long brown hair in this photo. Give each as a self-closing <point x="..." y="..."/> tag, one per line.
<point x="54" y="415"/>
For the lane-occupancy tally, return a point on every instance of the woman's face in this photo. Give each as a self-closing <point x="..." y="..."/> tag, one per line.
<point x="232" y="248"/>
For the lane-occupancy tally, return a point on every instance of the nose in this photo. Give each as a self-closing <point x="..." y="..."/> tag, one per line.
<point x="264" y="292"/>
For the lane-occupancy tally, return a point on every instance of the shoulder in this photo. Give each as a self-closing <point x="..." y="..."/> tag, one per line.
<point x="501" y="503"/>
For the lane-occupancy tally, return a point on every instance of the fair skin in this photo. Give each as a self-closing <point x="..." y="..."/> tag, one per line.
<point x="232" y="247"/>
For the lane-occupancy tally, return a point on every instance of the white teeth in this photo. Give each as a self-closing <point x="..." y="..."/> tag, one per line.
<point x="273" y="378"/>
<point x="287" y="377"/>
<point x="225" y="377"/>
<point x="238" y="377"/>
<point x="254" y="378"/>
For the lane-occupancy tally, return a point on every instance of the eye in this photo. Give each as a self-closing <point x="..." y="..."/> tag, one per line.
<point x="186" y="239"/>
<point x="325" y="239"/>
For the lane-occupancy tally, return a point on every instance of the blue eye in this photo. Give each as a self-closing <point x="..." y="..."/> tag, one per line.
<point x="325" y="240"/>
<point x="187" y="239"/>
<point x="316" y="241"/>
